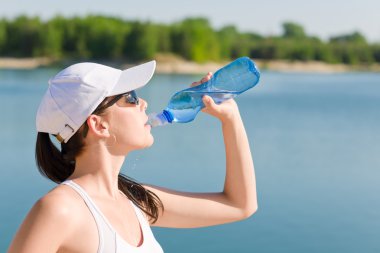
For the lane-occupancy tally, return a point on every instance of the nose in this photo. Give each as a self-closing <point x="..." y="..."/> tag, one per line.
<point x="143" y="104"/>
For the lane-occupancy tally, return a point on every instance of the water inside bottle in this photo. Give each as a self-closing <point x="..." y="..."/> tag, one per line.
<point x="219" y="96"/>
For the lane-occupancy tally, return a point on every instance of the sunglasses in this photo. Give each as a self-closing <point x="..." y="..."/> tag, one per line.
<point x="129" y="97"/>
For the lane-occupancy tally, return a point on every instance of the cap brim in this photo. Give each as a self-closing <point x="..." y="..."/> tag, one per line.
<point x="134" y="78"/>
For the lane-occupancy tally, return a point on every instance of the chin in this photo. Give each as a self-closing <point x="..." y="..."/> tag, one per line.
<point x="147" y="143"/>
<point x="150" y="142"/>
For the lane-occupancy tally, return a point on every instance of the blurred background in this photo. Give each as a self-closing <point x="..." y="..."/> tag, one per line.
<point x="312" y="121"/>
<point x="200" y="31"/>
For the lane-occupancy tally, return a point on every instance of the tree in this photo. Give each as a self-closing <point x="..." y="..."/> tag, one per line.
<point x="376" y="52"/>
<point x="293" y="30"/>
<point x="354" y="37"/>
<point x="196" y="40"/>
<point x="52" y="38"/>
<point x="351" y="48"/>
<point x="24" y="36"/>
<point x="141" y="42"/>
<point x="241" y="46"/>
<point x="105" y="39"/>
<point x="110" y="38"/>
<point x="3" y="36"/>
<point x="228" y="37"/>
<point x="324" y="52"/>
<point x="265" y="49"/>
<point x="164" y="43"/>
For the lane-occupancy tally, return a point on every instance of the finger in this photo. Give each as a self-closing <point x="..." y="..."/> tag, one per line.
<point x="207" y="77"/>
<point x="195" y="84"/>
<point x="203" y="80"/>
<point x="208" y="101"/>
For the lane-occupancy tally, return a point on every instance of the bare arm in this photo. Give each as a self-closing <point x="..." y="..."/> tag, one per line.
<point x="237" y="200"/>
<point x="40" y="231"/>
<point x="58" y="221"/>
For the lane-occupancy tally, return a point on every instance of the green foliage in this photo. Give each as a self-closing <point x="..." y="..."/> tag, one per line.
<point x="245" y="44"/>
<point x="293" y="31"/>
<point x="376" y="52"/>
<point x="265" y="49"/>
<point x="24" y="37"/>
<point x="352" y="49"/>
<point x="355" y="37"/>
<point x="228" y="38"/>
<point x="51" y="39"/>
<point x="324" y="52"/>
<point x="164" y="43"/>
<point x="196" y="40"/>
<point x="100" y="37"/>
<point x="3" y="35"/>
<point x="142" y="42"/>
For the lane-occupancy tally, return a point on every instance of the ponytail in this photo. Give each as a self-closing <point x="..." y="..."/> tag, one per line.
<point x="50" y="161"/>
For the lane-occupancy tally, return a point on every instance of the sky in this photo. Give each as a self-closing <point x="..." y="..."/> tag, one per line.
<point x="323" y="18"/>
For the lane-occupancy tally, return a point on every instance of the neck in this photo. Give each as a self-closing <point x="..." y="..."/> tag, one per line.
<point x="97" y="171"/>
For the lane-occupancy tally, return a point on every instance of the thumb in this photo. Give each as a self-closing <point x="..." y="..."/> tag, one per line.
<point x="208" y="101"/>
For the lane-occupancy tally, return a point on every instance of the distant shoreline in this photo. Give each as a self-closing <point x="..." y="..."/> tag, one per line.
<point x="176" y="65"/>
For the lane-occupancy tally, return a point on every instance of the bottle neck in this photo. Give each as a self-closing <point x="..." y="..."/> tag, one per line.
<point x="168" y="116"/>
<point x="158" y="119"/>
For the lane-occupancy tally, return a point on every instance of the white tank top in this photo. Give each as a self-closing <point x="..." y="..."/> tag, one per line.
<point x="109" y="240"/>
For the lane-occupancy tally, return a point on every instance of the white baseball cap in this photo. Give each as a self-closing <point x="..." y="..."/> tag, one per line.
<point x="75" y="92"/>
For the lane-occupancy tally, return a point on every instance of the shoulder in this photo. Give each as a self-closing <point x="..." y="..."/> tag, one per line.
<point x="61" y="200"/>
<point x="53" y="218"/>
<point x="61" y="211"/>
<point x="59" y="205"/>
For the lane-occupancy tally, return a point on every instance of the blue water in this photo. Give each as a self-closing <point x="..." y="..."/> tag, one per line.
<point x="315" y="140"/>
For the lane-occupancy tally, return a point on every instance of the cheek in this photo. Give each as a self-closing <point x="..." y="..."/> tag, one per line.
<point x="131" y="132"/>
<point x="127" y="131"/>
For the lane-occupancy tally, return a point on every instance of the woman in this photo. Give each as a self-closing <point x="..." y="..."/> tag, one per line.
<point x="95" y="114"/>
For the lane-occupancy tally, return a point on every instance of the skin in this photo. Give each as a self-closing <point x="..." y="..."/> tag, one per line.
<point x="61" y="222"/>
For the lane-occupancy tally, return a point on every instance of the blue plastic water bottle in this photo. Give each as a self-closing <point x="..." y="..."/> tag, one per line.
<point x="228" y="82"/>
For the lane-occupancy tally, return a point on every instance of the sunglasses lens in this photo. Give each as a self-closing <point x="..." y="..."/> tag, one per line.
<point x="132" y="98"/>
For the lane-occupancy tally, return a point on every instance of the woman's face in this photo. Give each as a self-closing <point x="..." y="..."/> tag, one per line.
<point x="128" y="125"/>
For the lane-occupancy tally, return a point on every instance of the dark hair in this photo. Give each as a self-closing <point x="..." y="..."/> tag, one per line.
<point x="58" y="165"/>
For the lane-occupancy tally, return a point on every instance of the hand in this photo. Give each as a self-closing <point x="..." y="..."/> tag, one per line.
<point x="203" y="80"/>
<point x="224" y="111"/>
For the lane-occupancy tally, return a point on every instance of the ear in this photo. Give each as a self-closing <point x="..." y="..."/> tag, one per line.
<point x="98" y="126"/>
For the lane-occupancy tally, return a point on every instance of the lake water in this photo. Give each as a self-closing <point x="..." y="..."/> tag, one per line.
<point x="315" y="139"/>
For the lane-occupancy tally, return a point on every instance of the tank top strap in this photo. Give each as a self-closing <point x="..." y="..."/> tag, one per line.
<point x="150" y="243"/>
<point x="145" y="226"/>
<point x="109" y="240"/>
<point x="107" y="237"/>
